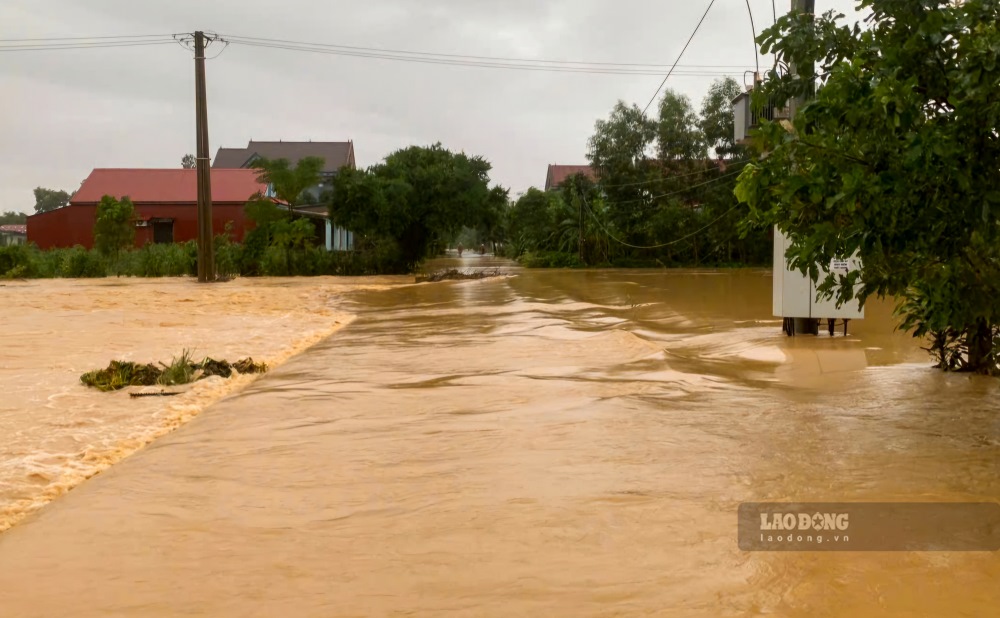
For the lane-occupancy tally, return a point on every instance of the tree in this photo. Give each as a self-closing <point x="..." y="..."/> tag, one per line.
<point x="48" y="199"/>
<point x="291" y="184"/>
<point x="621" y="153"/>
<point x="716" y="120"/>
<point x="114" y="229"/>
<point x="13" y="217"/>
<point x="679" y="138"/>
<point x="188" y="162"/>
<point x="897" y="160"/>
<point x="415" y="200"/>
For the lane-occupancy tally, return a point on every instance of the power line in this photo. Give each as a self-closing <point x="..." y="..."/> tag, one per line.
<point x="491" y="59"/>
<point x="89" y="38"/>
<point x="684" y="190"/>
<point x="679" y="56"/>
<point x="95" y="45"/>
<point x="666" y="244"/>
<point x="471" y="63"/>
<point x="656" y="180"/>
<point x="753" y="29"/>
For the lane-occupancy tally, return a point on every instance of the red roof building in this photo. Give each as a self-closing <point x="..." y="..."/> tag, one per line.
<point x="166" y="206"/>
<point x="559" y="173"/>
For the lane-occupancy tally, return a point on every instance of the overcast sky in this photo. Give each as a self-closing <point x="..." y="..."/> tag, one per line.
<point x="64" y="113"/>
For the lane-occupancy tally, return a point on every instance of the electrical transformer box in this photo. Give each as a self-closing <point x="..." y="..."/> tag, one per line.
<point x="795" y="294"/>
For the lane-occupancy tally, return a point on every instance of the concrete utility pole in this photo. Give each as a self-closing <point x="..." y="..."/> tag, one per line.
<point x="206" y="249"/>
<point x="806" y="325"/>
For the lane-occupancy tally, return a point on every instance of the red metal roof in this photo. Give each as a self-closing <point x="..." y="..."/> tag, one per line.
<point x="167" y="186"/>
<point x="559" y="173"/>
<point x="14" y="228"/>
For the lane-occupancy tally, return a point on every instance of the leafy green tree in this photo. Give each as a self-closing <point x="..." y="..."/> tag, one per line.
<point x="291" y="184"/>
<point x="716" y="121"/>
<point x="12" y="217"/>
<point x="188" y="162"/>
<point x="621" y="151"/>
<point x="48" y="199"/>
<point x="532" y="220"/>
<point x="896" y="159"/>
<point x="679" y="138"/>
<point x="114" y="229"/>
<point x="417" y="199"/>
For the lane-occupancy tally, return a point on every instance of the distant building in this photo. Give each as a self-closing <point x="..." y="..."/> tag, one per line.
<point x="166" y="206"/>
<point x="13" y="234"/>
<point x="336" y="156"/>
<point x="558" y="174"/>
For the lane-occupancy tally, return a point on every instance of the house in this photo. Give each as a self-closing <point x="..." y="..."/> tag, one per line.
<point x="558" y="174"/>
<point x="336" y="156"/>
<point x="13" y="234"/>
<point x="166" y="206"/>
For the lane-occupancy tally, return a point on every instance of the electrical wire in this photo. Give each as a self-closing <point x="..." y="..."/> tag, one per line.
<point x="60" y="47"/>
<point x="679" y="56"/>
<point x="477" y="64"/>
<point x="656" y="180"/>
<point x="464" y="57"/>
<point x="660" y="246"/>
<point x="774" y="14"/>
<point x="89" y="38"/>
<point x="753" y="29"/>
<point x="684" y="190"/>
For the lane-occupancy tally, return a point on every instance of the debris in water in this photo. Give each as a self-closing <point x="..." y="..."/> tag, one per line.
<point x="248" y="366"/>
<point x="457" y="275"/>
<point x="122" y="374"/>
<point x="160" y="394"/>
<point x="212" y="367"/>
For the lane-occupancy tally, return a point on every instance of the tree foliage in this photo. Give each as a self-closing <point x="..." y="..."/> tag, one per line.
<point x="666" y="183"/>
<point x="290" y="183"/>
<point x="114" y="229"/>
<point x="188" y="162"/>
<point x="416" y="200"/>
<point x="716" y="121"/>
<point x="12" y="217"/>
<point x="896" y="159"/>
<point x="49" y="199"/>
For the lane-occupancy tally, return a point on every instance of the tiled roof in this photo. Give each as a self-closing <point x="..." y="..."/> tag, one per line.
<point x="170" y="186"/>
<point x="334" y="154"/>
<point x="14" y="228"/>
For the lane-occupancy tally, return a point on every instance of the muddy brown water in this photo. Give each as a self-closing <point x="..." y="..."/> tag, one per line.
<point x="551" y="444"/>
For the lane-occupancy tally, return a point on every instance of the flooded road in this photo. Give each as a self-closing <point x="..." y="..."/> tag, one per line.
<point x="56" y="432"/>
<point x="550" y="444"/>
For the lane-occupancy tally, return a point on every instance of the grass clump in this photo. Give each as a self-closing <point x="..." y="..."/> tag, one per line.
<point x="181" y="370"/>
<point x="120" y="374"/>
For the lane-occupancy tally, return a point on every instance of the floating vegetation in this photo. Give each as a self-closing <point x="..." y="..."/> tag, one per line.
<point x="458" y="275"/>
<point x="121" y="374"/>
<point x="248" y="366"/>
<point x="181" y="370"/>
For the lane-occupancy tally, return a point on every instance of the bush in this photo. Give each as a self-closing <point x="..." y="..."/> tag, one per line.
<point x="81" y="263"/>
<point x="551" y="259"/>
<point x="164" y="260"/>
<point x="15" y="262"/>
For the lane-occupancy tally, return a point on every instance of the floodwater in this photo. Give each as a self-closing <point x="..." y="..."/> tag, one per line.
<point x="56" y="433"/>
<point x="550" y="444"/>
